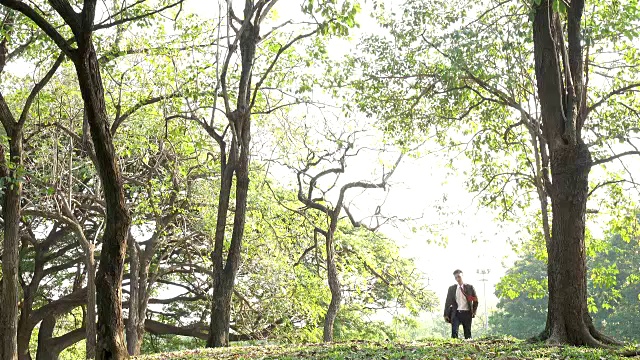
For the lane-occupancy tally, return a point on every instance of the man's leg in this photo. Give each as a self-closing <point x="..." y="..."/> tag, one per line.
<point x="455" y="325"/>
<point x="466" y="324"/>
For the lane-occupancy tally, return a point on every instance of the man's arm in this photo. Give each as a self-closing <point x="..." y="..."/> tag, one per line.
<point x="475" y="303"/>
<point x="448" y="302"/>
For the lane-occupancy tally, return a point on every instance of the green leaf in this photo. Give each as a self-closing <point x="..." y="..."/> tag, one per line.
<point x="559" y="6"/>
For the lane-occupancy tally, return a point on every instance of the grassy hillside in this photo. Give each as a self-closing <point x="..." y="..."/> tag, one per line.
<point x="499" y="349"/>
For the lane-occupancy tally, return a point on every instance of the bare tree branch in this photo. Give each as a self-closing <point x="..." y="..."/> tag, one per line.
<point x="611" y="158"/>
<point x="275" y="60"/>
<point x="610" y="182"/>
<point x="138" y="17"/>
<point x="142" y="103"/>
<point x="36" y="89"/>
<point x="619" y="91"/>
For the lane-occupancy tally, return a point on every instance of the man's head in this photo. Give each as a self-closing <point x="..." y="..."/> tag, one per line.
<point x="458" y="276"/>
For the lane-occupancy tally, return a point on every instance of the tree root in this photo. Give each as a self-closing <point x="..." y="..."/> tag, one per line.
<point x="597" y="340"/>
<point x="605" y="339"/>
<point x="630" y="353"/>
<point x="590" y="337"/>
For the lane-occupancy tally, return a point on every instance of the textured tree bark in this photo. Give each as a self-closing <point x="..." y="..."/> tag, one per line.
<point x="569" y="316"/>
<point x="12" y="189"/>
<point x="110" y="337"/>
<point x="219" y="326"/>
<point x="242" y="191"/>
<point x="11" y="197"/>
<point x="24" y="331"/>
<point x="218" y="330"/>
<point x="141" y="330"/>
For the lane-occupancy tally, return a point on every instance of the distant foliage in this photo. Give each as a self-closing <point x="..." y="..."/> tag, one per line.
<point x="613" y="280"/>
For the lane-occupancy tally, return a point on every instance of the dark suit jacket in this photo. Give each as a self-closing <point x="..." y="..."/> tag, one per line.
<point x="451" y="298"/>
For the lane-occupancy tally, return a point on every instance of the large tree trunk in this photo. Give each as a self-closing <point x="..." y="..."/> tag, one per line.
<point x="220" y="316"/>
<point x="224" y="277"/>
<point x="334" y="286"/>
<point x="140" y="330"/>
<point x="569" y="317"/>
<point x="11" y="244"/>
<point x="110" y="336"/>
<point x="238" y="163"/>
<point x="563" y="108"/>
<point x="219" y="328"/>
<point x="223" y="292"/>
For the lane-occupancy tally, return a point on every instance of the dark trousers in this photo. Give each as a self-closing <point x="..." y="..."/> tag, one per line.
<point x="461" y="317"/>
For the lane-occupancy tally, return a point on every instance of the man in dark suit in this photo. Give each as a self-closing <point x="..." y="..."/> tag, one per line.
<point x="461" y="306"/>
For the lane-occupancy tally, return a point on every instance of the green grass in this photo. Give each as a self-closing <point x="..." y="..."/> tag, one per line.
<point x="499" y="349"/>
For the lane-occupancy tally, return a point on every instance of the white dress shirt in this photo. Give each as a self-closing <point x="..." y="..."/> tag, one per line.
<point x="463" y="304"/>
